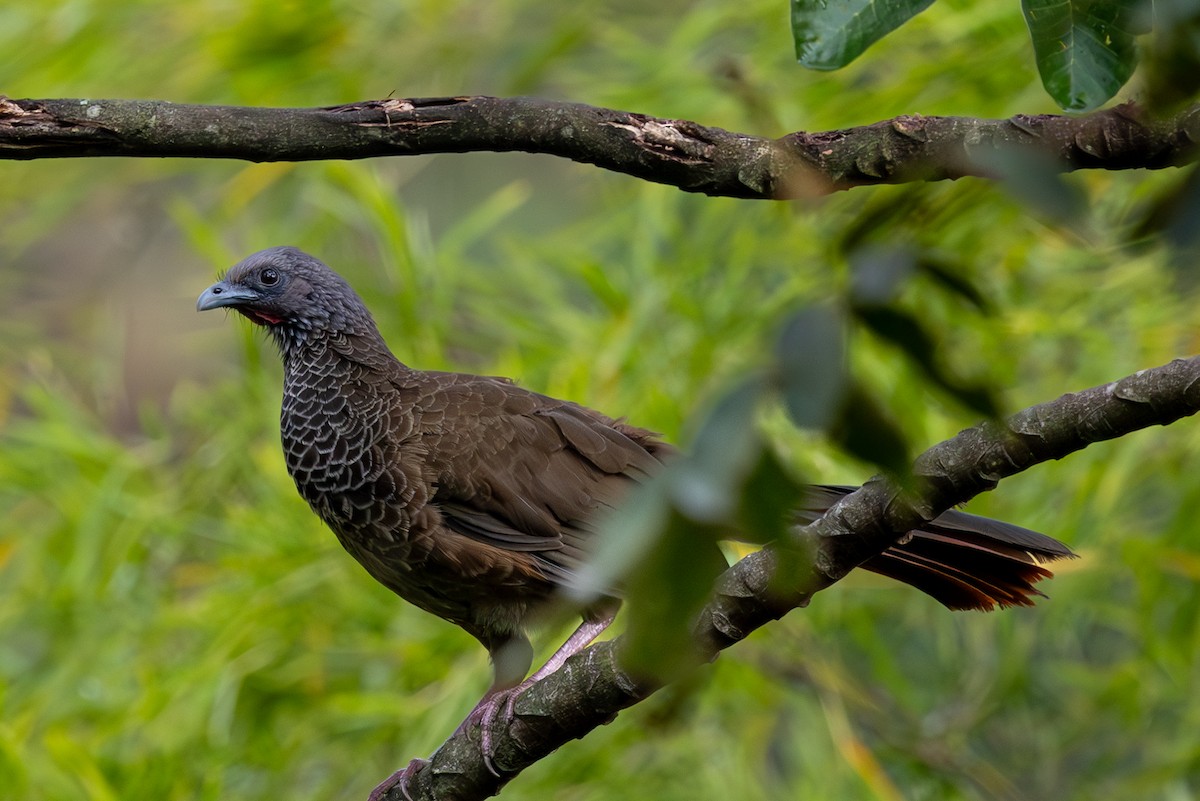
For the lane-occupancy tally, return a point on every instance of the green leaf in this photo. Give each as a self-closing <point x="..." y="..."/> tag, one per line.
<point x="1036" y="180"/>
<point x="623" y="537"/>
<point x="949" y="277"/>
<point x="879" y="272"/>
<point x="660" y="546"/>
<point x="1085" y="49"/>
<point x="867" y="432"/>
<point x="884" y="216"/>
<point x="768" y="500"/>
<point x="829" y="34"/>
<point x="1171" y="58"/>
<point x="702" y="487"/>
<point x="907" y="333"/>
<point x="667" y="589"/>
<point x="1174" y="214"/>
<point x="810" y="358"/>
<point x="1173" y="218"/>
<point x="672" y="580"/>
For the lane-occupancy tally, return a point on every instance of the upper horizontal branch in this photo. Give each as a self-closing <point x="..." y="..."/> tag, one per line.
<point x="693" y="157"/>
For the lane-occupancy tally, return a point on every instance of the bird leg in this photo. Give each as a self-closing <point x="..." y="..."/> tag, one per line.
<point x="497" y="705"/>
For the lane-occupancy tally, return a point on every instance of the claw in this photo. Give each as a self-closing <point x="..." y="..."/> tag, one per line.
<point x="494" y="708"/>
<point x="497" y="709"/>
<point x="400" y="778"/>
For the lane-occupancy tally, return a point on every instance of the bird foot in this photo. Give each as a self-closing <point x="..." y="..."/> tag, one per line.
<point x="399" y="778"/>
<point x="493" y="708"/>
<point x="492" y="711"/>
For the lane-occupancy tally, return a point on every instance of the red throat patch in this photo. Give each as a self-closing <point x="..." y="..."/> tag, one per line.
<point x="260" y="318"/>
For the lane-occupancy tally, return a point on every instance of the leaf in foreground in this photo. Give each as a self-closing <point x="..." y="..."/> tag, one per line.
<point x="829" y="34"/>
<point x="1085" y="49"/>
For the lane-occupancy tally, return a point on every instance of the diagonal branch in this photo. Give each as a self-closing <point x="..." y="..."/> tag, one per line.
<point x="591" y="688"/>
<point x="693" y="157"/>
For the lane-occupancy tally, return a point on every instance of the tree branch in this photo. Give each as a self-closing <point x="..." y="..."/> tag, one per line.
<point x="591" y="688"/>
<point x="680" y="153"/>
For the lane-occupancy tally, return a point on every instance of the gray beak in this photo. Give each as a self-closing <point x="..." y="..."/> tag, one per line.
<point x="223" y="294"/>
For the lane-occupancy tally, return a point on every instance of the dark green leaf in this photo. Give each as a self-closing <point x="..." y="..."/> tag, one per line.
<point x="1173" y="213"/>
<point x="1085" y="49"/>
<point x="810" y="357"/>
<point x="703" y="484"/>
<point x="902" y="330"/>
<point x="1182" y="232"/>
<point x="1172" y="56"/>
<point x="866" y="431"/>
<point x="768" y="500"/>
<point x="1173" y="218"/>
<point x="624" y="536"/>
<point x="907" y="333"/>
<point x="951" y="279"/>
<point x="887" y="212"/>
<point x="666" y="591"/>
<point x="831" y="33"/>
<point x="662" y="547"/>
<point x="726" y="438"/>
<point x="878" y="273"/>
<point x="1036" y="180"/>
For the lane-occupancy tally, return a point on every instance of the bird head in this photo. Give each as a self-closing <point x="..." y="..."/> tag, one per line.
<point x="292" y="294"/>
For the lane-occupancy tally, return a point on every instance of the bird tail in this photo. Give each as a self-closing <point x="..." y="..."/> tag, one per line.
<point x="962" y="560"/>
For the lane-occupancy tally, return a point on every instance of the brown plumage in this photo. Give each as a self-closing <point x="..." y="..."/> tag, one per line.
<point x="473" y="498"/>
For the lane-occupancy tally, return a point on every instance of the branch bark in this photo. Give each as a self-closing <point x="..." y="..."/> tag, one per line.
<point x="690" y="156"/>
<point x="591" y="688"/>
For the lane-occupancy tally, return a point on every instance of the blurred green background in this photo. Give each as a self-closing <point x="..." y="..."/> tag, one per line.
<point x="175" y="624"/>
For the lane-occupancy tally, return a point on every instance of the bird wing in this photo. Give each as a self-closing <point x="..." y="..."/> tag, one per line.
<point x="524" y="472"/>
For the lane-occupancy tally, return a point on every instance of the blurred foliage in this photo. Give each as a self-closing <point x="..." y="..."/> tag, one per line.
<point x="1172" y="77"/>
<point x="175" y="624"/>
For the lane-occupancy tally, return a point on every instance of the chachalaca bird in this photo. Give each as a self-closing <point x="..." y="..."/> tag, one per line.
<point x="475" y="499"/>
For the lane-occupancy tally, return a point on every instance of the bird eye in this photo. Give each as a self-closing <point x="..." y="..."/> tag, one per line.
<point x="269" y="277"/>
